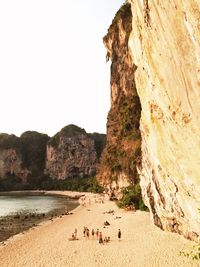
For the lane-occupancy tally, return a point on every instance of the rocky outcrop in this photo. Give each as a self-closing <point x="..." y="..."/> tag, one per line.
<point x="122" y="152"/>
<point x="11" y="157"/>
<point x="22" y="160"/>
<point x="73" y="153"/>
<point x="11" y="164"/>
<point x="164" y="44"/>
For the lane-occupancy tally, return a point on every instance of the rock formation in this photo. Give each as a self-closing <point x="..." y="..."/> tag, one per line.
<point x="73" y="153"/>
<point x="164" y="44"/>
<point x="22" y="159"/>
<point x="28" y="161"/>
<point x="11" y="157"/>
<point x="123" y="149"/>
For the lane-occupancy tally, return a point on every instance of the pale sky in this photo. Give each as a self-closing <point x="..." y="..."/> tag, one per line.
<point x="53" y="70"/>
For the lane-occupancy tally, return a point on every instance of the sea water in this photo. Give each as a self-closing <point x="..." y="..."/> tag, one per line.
<point x="15" y="204"/>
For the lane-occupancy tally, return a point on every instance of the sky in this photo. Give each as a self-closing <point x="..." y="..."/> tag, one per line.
<point x="53" y="70"/>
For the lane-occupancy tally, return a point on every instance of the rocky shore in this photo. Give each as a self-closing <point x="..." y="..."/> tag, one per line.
<point x="18" y="223"/>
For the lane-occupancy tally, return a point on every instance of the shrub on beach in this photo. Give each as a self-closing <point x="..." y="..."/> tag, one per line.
<point x="132" y="196"/>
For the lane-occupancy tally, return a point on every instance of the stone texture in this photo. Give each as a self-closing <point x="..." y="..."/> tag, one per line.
<point x="165" y="45"/>
<point x="122" y="152"/>
<point x="71" y="153"/>
<point x="11" y="164"/>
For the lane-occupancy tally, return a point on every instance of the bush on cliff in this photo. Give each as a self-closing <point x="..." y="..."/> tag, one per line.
<point x="33" y="151"/>
<point x="132" y="196"/>
<point x="9" y="141"/>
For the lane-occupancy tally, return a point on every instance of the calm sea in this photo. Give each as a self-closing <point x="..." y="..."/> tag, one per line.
<point x="15" y="204"/>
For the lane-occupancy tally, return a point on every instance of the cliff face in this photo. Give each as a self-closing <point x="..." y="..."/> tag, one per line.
<point x="28" y="161"/>
<point x="165" y="48"/>
<point x="122" y="152"/>
<point x="165" y="45"/>
<point x="11" y="164"/>
<point x="73" y="153"/>
<point x="22" y="160"/>
<point x="11" y="158"/>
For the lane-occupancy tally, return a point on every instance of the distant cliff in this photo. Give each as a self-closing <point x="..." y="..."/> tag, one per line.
<point x="22" y="160"/>
<point x="26" y="162"/>
<point x="154" y="47"/>
<point x="73" y="153"/>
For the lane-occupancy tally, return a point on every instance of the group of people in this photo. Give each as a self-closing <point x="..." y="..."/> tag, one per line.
<point x="97" y="233"/>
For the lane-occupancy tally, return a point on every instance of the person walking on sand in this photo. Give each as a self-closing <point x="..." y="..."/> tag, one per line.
<point x="100" y="238"/>
<point x="84" y="231"/>
<point x="75" y="232"/>
<point x="87" y="233"/>
<point x="97" y="233"/>
<point x="119" y="234"/>
<point x="92" y="233"/>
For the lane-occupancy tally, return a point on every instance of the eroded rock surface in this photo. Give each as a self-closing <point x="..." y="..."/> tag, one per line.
<point x="73" y="153"/>
<point x="163" y="53"/>
<point x="165" y="45"/>
<point x="123" y="149"/>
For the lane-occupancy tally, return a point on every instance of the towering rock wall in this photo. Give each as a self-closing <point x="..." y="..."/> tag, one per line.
<point x="73" y="153"/>
<point x="165" y="45"/>
<point x="122" y="152"/>
<point x="164" y="71"/>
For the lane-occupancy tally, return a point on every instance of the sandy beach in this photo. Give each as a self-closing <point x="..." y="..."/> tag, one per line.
<point x="142" y="244"/>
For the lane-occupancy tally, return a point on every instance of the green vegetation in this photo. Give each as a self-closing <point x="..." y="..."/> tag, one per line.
<point x="194" y="254"/>
<point x="132" y="196"/>
<point x="11" y="182"/>
<point x="99" y="141"/>
<point x="31" y="148"/>
<point x="9" y="141"/>
<point x="123" y="152"/>
<point x="87" y="184"/>
<point x="33" y="151"/>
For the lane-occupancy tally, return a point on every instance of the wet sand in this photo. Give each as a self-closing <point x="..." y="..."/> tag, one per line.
<point x="14" y="224"/>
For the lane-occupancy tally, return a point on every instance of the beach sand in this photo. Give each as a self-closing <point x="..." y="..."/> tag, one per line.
<point x="142" y="244"/>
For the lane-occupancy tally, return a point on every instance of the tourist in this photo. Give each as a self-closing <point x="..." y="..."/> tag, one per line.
<point x="75" y="232"/>
<point x="100" y="238"/>
<point x="84" y="231"/>
<point x="97" y="233"/>
<point x="119" y="234"/>
<point x="92" y="233"/>
<point x="73" y="237"/>
<point x="87" y="233"/>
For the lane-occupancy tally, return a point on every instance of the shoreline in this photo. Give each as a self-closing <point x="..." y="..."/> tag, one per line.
<point x="11" y="225"/>
<point x="142" y="244"/>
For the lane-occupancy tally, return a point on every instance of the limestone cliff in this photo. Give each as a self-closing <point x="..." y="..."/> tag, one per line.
<point x="165" y="49"/>
<point x="11" y="158"/>
<point x="73" y="153"/>
<point x="122" y="152"/>
<point x="165" y="45"/>
<point x="22" y="160"/>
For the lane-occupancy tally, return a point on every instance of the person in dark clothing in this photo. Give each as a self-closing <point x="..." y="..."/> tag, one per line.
<point x="119" y="234"/>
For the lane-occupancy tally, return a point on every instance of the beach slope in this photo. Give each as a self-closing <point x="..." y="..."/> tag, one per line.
<point x="142" y="244"/>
